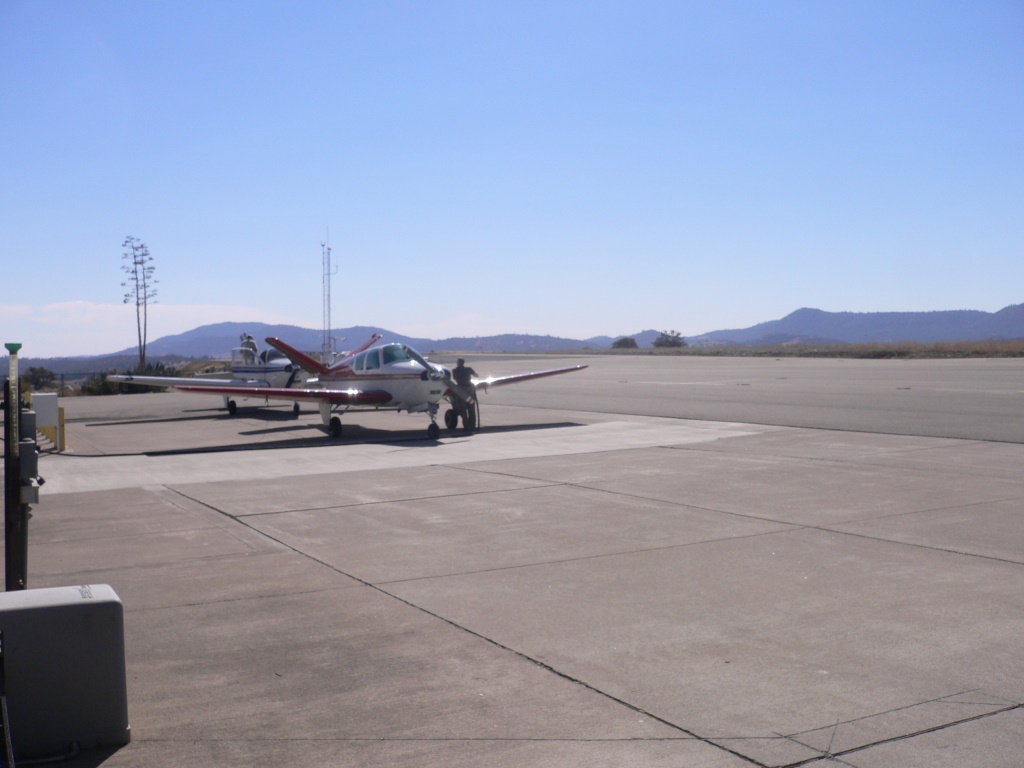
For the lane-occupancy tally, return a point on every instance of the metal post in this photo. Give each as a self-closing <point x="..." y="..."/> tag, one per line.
<point x="15" y="513"/>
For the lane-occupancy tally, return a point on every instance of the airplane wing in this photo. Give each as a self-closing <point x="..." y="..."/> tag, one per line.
<point x="515" y="378"/>
<point x="333" y="396"/>
<point x="174" y="381"/>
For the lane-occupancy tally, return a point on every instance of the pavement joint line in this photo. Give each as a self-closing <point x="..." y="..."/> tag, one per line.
<point x="641" y="497"/>
<point x="541" y="484"/>
<point x="928" y="547"/>
<point x="872" y="460"/>
<point x="791" y="525"/>
<point x="582" y="558"/>
<point x="796" y="526"/>
<point x="507" y="649"/>
<point x="936" y="700"/>
<point x="904" y="736"/>
<point x="565" y="676"/>
<point x="929" y="510"/>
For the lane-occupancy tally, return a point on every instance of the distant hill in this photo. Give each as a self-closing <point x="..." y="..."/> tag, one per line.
<point x="807" y="326"/>
<point x="218" y="340"/>
<point x="820" y="327"/>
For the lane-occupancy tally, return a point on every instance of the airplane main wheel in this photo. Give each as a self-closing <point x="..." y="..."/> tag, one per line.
<point x="295" y="410"/>
<point x="334" y="430"/>
<point x="232" y="407"/>
<point x="433" y="431"/>
<point x="451" y="418"/>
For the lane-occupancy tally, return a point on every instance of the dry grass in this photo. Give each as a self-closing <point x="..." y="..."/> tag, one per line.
<point x="875" y="351"/>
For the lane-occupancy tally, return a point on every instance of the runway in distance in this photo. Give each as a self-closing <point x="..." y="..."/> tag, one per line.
<point x="250" y="368"/>
<point x="391" y="377"/>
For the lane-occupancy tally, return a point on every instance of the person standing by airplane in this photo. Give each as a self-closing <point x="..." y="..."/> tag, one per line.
<point x="249" y="348"/>
<point x="465" y="393"/>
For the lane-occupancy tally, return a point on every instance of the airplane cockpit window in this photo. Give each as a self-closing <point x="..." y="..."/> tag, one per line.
<point x="394" y="353"/>
<point x="372" y="359"/>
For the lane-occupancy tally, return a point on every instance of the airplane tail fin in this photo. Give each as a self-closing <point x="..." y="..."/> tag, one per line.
<point x="301" y="359"/>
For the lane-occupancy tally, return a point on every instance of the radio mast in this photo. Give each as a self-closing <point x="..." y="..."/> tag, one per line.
<point x="328" y="346"/>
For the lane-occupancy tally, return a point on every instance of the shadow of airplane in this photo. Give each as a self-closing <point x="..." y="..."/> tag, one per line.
<point x="355" y="435"/>
<point x="207" y="414"/>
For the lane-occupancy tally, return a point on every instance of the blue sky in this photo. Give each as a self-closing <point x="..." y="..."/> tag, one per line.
<point x="563" y="168"/>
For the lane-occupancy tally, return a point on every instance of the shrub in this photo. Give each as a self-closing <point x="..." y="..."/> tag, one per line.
<point x="670" y="339"/>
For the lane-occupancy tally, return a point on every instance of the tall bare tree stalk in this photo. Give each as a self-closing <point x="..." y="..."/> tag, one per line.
<point x="141" y="287"/>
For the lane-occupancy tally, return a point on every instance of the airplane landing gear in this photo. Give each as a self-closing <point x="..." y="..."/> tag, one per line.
<point x="451" y="418"/>
<point x="295" y="410"/>
<point x="334" y="428"/>
<point x="434" y="431"/>
<point x="232" y="407"/>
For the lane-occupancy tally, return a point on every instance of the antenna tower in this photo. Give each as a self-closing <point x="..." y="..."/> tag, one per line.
<point x="328" y="347"/>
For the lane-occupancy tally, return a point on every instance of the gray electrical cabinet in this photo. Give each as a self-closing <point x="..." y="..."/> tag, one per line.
<point x="64" y="669"/>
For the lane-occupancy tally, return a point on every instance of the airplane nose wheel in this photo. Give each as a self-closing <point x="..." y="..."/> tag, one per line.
<point x="451" y="418"/>
<point x="433" y="431"/>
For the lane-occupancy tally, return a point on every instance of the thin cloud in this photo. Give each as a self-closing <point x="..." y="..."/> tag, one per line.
<point x="74" y="328"/>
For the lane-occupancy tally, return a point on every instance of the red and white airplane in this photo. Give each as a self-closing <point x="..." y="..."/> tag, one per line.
<point x="250" y="369"/>
<point x="386" y="377"/>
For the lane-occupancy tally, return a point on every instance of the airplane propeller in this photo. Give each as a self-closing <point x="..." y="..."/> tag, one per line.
<point x="428" y="368"/>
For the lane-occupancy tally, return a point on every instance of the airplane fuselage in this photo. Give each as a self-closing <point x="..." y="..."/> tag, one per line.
<point x="389" y="368"/>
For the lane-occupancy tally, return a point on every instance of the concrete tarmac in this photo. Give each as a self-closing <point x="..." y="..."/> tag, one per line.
<point x="570" y="586"/>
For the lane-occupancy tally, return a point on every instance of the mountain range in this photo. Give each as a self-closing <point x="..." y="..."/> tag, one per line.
<point x="802" y="326"/>
<point x="807" y="326"/>
<point x="218" y="339"/>
<point x="819" y="327"/>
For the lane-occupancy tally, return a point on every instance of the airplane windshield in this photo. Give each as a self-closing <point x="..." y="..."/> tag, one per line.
<point x="394" y="353"/>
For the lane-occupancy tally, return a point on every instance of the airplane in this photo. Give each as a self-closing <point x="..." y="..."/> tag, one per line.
<point x="373" y="378"/>
<point x="250" y="369"/>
